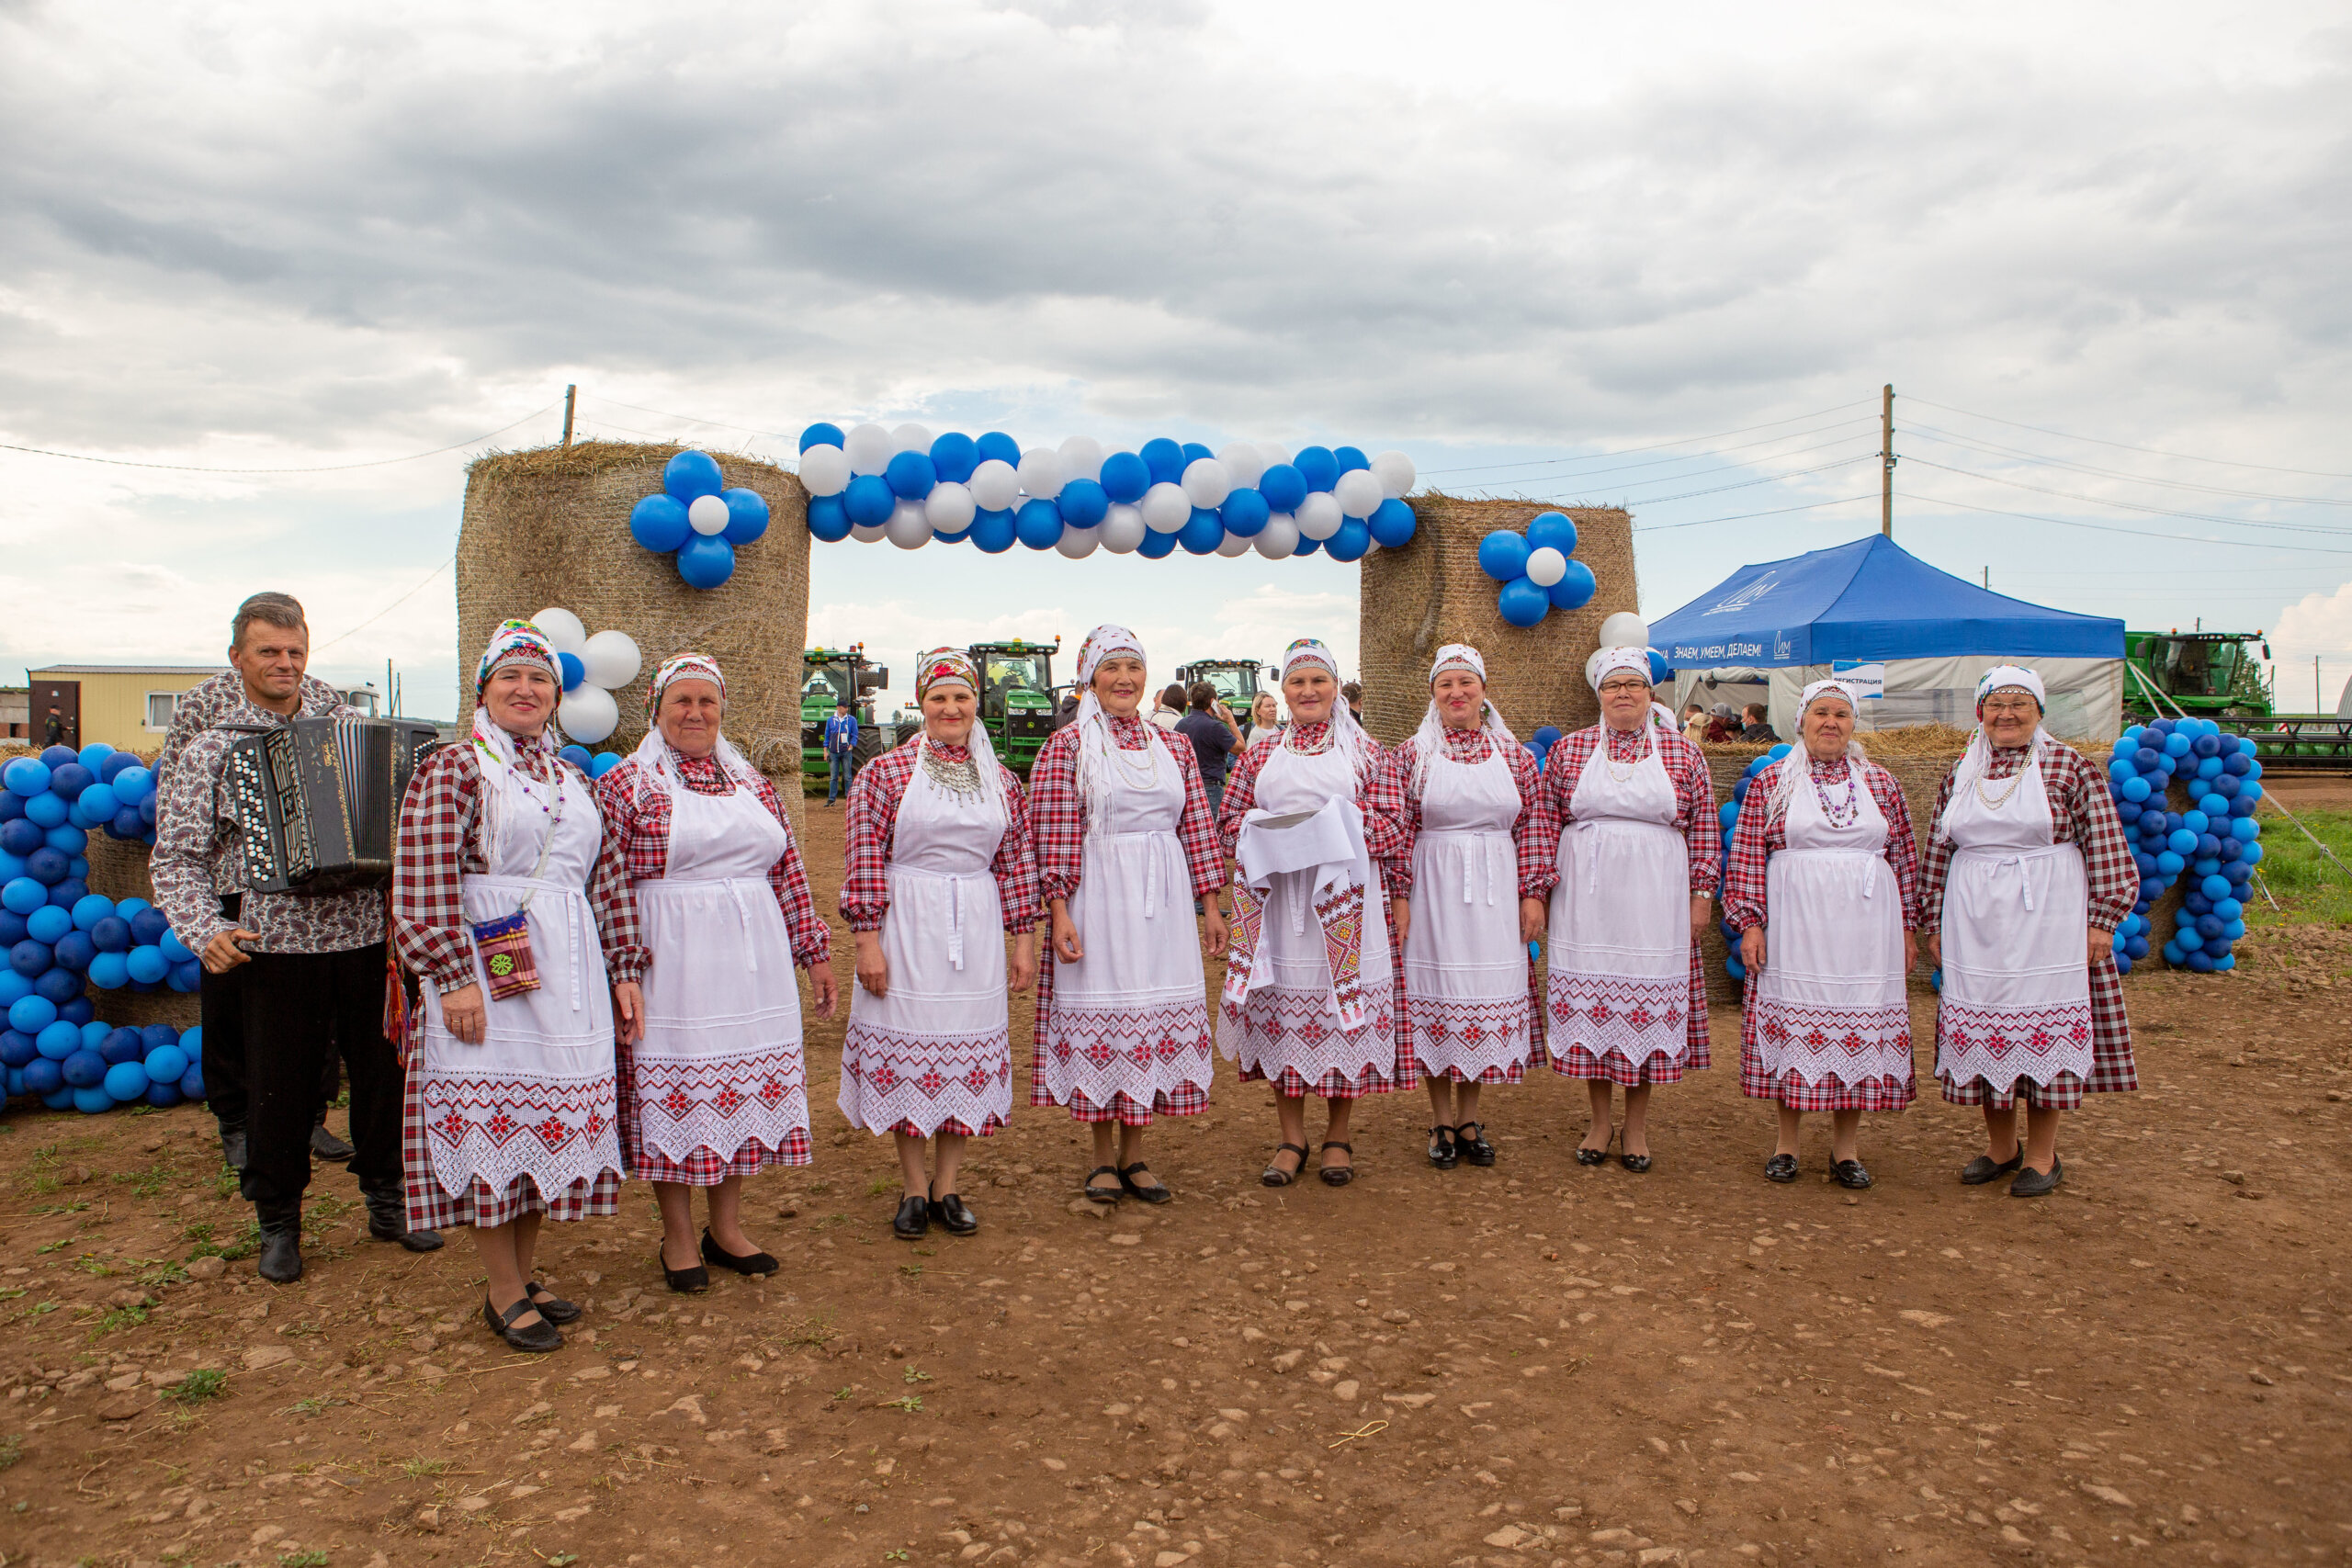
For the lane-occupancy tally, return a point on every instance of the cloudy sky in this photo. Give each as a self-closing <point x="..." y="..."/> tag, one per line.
<point x="1660" y="254"/>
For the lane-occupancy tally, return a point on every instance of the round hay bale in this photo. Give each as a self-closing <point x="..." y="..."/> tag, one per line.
<point x="1414" y="600"/>
<point x="550" y="526"/>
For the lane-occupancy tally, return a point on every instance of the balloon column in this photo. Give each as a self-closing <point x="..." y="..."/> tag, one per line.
<point x="2214" y="845"/>
<point x="52" y="948"/>
<point x="1728" y="815"/>
<point x="92" y="1066"/>
<point x="910" y="487"/>
<point x="58" y="799"/>
<point x="594" y="669"/>
<point x="698" y="518"/>
<point x="1534" y="568"/>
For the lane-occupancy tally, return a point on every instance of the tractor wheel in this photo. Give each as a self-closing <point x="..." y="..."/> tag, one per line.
<point x="868" y="746"/>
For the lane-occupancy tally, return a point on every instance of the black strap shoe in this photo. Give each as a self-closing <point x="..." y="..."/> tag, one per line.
<point x="1588" y="1156"/>
<point x="1108" y="1192"/>
<point x="1470" y="1137"/>
<point x="327" y="1147"/>
<point x="1441" y="1150"/>
<point x="1339" y="1175"/>
<point x="1780" y="1167"/>
<point x="1982" y="1169"/>
<point x="2033" y="1184"/>
<point x="536" y="1336"/>
<point x="1157" y="1192"/>
<point x="955" y="1215"/>
<point x="1851" y="1174"/>
<point x="753" y="1263"/>
<point x="1637" y="1163"/>
<point x="281" y="1244"/>
<point x="549" y="1305"/>
<point x="388" y="1221"/>
<point x="913" y="1218"/>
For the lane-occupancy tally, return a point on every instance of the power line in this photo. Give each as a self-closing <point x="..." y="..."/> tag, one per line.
<point x="1947" y="438"/>
<point x="1577" y="480"/>
<point x="1742" y="516"/>
<point x="1654" y="447"/>
<point x="330" y="469"/>
<point x="2127" y="446"/>
<point x="2114" y="528"/>
<point x="692" y="419"/>
<point x="387" y="609"/>
<point x="2137" y="506"/>
<point x="1651" y="462"/>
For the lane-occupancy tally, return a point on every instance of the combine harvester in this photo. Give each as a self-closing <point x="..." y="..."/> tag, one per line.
<point x="1235" y="681"/>
<point x="829" y="675"/>
<point x="1018" y="705"/>
<point x="2217" y="675"/>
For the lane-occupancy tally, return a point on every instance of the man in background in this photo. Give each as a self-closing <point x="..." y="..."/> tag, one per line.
<point x="841" y="751"/>
<point x="1757" y="727"/>
<point x="1170" y="710"/>
<point x="53" y="729"/>
<point x="1353" y="693"/>
<point x="1214" y="738"/>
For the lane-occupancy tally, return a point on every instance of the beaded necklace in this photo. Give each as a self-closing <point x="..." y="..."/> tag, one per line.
<point x="958" y="778"/>
<point x="1839" y="812"/>
<point x="1995" y="803"/>
<point x="1648" y="744"/>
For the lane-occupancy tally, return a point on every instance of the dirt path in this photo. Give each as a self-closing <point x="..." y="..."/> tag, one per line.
<point x="1536" y="1364"/>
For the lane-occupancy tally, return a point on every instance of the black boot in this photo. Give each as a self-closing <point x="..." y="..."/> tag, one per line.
<point x="387" y="1220"/>
<point x="281" y="1241"/>
<point x="233" y="1146"/>
<point x="327" y="1147"/>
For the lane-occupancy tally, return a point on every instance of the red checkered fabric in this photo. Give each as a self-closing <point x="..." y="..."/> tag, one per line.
<point x="955" y="1126"/>
<point x="639" y="832"/>
<point x="1753" y="843"/>
<point x="1830" y="1094"/>
<point x="1058" y="811"/>
<point x="430" y="1208"/>
<point x="440" y="842"/>
<point x="2082" y="814"/>
<point x="873" y="828"/>
<point x="1469" y="746"/>
<point x="1185" y="1099"/>
<point x="1548" y="816"/>
<point x="703" y="1167"/>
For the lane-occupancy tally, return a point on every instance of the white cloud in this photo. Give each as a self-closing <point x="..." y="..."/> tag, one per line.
<point x="2318" y="625"/>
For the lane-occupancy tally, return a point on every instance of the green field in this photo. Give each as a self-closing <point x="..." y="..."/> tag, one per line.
<point x="2308" y="886"/>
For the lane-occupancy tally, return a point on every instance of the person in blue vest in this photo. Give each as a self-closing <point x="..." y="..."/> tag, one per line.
<point x="840" y="752"/>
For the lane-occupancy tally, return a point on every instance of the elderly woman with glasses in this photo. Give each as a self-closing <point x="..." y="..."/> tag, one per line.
<point x="2028" y="873"/>
<point x="1626" y="843"/>
<point x="1823" y="887"/>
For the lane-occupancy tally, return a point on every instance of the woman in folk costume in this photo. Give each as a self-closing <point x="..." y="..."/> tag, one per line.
<point x="1626" y="843"/>
<point x="1823" y="887"/>
<point x="1312" y="983"/>
<point x="2028" y="873"/>
<point x="510" y="905"/>
<point x="939" y="863"/>
<point x="1471" y="1015"/>
<point x="1126" y="839"/>
<point x="715" y="1091"/>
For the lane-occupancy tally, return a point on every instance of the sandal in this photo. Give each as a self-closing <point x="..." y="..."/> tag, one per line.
<point x="1104" y="1195"/>
<point x="1339" y="1175"/>
<point x="1274" y="1175"/>
<point x="1157" y="1192"/>
<point x="1471" y="1139"/>
<point x="540" y="1335"/>
<point x="1441" y="1150"/>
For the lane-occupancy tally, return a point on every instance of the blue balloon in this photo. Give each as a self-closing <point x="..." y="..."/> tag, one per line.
<point x="174" y="949"/>
<point x="162" y="1094"/>
<point x="21" y="837"/>
<point x="58" y="1040"/>
<point x="147" y="927"/>
<point x="1728" y="813"/>
<point x="1777" y="752"/>
<point x="1193" y="452"/>
<point x="575" y="754"/>
<point x="1317" y="465"/>
<point x="954" y="456"/>
<point x="1547" y="735"/>
<point x="1202" y="533"/>
<point x="121" y="1045"/>
<point x="1082" y="504"/>
<point x="1283" y="487"/>
<point x="2169" y="864"/>
<point x="869" y="500"/>
<point x="25" y="777"/>
<point x="1353" y="539"/>
<point x="48" y="866"/>
<point x="43" y="1076"/>
<point x="2226" y="788"/>
<point x="993" y="531"/>
<point x="2195" y="822"/>
<point x="68" y="780"/>
<point x="2208" y="767"/>
<point x="1522" y="603"/>
<point x="158" y="1035"/>
<point x="821" y="435"/>
<point x="996" y="447"/>
<point x="29" y="1013"/>
<point x="1156" y="544"/>
<point x="1502" y="555"/>
<point x="110" y="971"/>
<point x="1350" y="458"/>
<point x="47" y="924"/>
<point x="2216" y="887"/>
<point x="90" y="909"/>
<point x="2181" y="842"/>
<point x="1735" y="969"/>
<point x="85" y="1069"/>
<point x="75" y="952"/>
<point x="55" y="757"/>
<point x="1305" y="548"/>
<point x="571" y="670"/>
<point x="2206" y="744"/>
<point x="910" y="474"/>
<point x="2238" y="766"/>
<point x="2122" y="963"/>
<point x="116" y="764"/>
<point x="2126" y="743"/>
<point x="192" y="1085"/>
<point x="690" y="476"/>
<point x="69" y="840"/>
<point x="1164" y="458"/>
<point x="1125" y="476"/>
<point x="1038" y="524"/>
<point x="1575" y="589"/>
<point x="2176" y="745"/>
<point x="192" y="1042"/>
<point x="1244" y="512"/>
<point x="2126" y="812"/>
<point x="706" y="560"/>
<point x="167" y="1064"/>
<point x="64" y="987"/>
<point x="1554" y="530"/>
<point x="603" y="762"/>
<point x="828" y="519"/>
<point x="148" y="964"/>
<point x="2246" y="829"/>
<point x="747" y="515"/>
<point x="1392" y="525"/>
<point x="659" y="523"/>
<point x="31" y="959"/>
<point x="2230" y="908"/>
<point x="94" y="1102"/>
<point x="17" y="1050"/>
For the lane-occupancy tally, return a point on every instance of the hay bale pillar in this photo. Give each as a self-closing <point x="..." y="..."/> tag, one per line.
<point x="550" y="527"/>
<point x="1417" y="599"/>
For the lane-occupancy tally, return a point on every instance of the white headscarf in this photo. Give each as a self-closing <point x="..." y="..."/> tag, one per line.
<point x="1607" y="661"/>
<point x="1797" y="765"/>
<point x="1094" y="725"/>
<point x="1429" y="738"/>
<point x="657" y="762"/>
<point x="1349" y="735"/>
<point x="1979" y="755"/>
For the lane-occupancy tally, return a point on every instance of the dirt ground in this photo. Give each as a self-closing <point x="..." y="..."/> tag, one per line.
<point x="1536" y="1364"/>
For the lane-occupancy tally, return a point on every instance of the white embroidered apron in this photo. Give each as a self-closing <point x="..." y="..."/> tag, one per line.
<point x="936" y="1048"/>
<point x="1829" y="1002"/>
<point x="1132" y="1016"/>
<point x="2016" y="1001"/>
<point x="720" y="1064"/>
<point x="1619" y="954"/>
<point x="536" y="1098"/>
<point x="1466" y="968"/>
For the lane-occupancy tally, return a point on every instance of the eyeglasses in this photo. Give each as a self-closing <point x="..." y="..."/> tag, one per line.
<point x="2011" y="708"/>
<point x="1620" y="688"/>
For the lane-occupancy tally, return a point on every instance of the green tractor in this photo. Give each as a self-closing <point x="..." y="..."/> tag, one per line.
<point x="828" y="677"/>
<point x="1235" y="681"/>
<point x="1017" y="702"/>
<point x="2209" y="674"/>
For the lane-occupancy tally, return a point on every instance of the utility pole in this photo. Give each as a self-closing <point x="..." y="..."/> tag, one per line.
<point x="570" y="394"/>
<point x="1989" y="577"/>
<point x="1886" y="462"/>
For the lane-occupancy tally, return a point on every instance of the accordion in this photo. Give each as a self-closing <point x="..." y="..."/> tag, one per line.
<point x="317" y="801"/>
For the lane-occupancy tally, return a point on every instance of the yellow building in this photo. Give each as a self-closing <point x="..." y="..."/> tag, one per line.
<point x="128" y="707"/>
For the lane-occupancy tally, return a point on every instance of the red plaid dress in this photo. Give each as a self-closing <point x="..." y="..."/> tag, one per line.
<point x="1745" y="878"/>
<point x="638" y="831"/>
<point x="872" y="828"/>
<point x="1381" y="803"/>
<point x="1539" y="872"/>
<point x="1467" y="747"/>
<point x="1057" y="813"/>
<point x="440" y="843"/>
<point x="2082" y="814"/>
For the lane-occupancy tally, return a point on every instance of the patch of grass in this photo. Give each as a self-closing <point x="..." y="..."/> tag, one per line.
<point x="310" y="1406"/>
<point x="46" y="1209"/>
<point x="57" y="1245"/>
<point x="878" y="1186"/>
<point x="12" y="1449"/>
<point x="225" y="1185"/>
<point x="146" y="1183"/>
<point x="910" y="1271"/>
<point x="844" y="1391"/>
<point x="2309" y="887"/>
<point x="247" y="1243"/>
<point x="159" y="1274"/>
<point x="912" y="1403"/>
<point x="92" y="1264"/>
<point x="197" y="1387"/>
<point x="312" y="1558"/>
<point x="809" y="1332"/>
<point x="120" y="1317"/>
<point x="418" y="1469"/>
<point x="913" y="1376"/>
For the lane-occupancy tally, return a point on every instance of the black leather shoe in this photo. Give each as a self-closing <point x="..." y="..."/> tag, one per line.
<point x="2031" y="1183"/>
<point x="1441" y="1150"/>
<point x="913" y="1218"/>
<point x="1105" y="1193"/>
<point x="1471" y="1139"/>
<point x="232" y="1148"/>
<point x="1780" y="1167"/>
<point x="1851" y="1174"/>
<point x="327" y="1145"/>
<point x="953" y="1215"/>
<point x="1637" y="1163"/>
<point x="1596" y="1157"/>
<point x="537" y="1337"/>
<point x="281" y="1245"/>
<point x="742" y="1263"/>
<point x="1157" y="1192"/>
<point x="388" y="1221"/>
<point x="549" y="1305"/>
<point x="1982" y="1169"/>
<point x="689" y="1281"/>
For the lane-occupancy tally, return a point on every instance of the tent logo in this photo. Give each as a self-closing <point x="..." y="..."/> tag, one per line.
<point x="1741" y="599"/>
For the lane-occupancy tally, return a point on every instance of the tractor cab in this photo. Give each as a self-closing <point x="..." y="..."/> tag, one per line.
<point x="1016" y="698"/>
<point x="2203" y="672"/>
<point x="830" y="676"/>
<point x="1235" y="681"/>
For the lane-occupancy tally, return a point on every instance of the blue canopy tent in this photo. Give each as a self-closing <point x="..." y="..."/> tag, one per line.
<point x="1913" y="640"/>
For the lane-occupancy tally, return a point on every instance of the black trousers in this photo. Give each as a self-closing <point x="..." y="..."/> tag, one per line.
<point x="299" y="1010"/>
<point x="220" y="1010"/>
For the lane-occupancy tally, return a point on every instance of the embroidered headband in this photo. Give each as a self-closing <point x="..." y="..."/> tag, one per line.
<point x="2011" y="677"/>
<point x="1309" y="651"/>
<point x="516" y="642"/>
<point x="1104" y="642"/>
<point x="685" y="667"/>
<point x="946" y="665"/>
<point x="1607" y="661"/>
<point x="1457" y="656"/>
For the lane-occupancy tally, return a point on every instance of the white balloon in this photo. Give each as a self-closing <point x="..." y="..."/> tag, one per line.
<point x="1166" y="508"/>
<point x="1077" y="543"/>
<point x="1278" y="540"/>
<point x="588" y="714"/>
<point x="706" y="516"/>
<point x="1394" y="472"/>
<point x="613" y="661"/>
<point x="911" y="438"/>
<point x="824" y="470"/>
<point x="1318" y="515"/>
<point x="1122" y="528"/>
<point x="1270" y="453"/>
<point x="1041" y="472"/>
<point x="1233" y="544"/>
<point x="564" y="632"/>
<point x="949" y="507"/>
<point x="1358" y="492"/>
<point x="1206" y="483"/>
<point x="1243" y="463"/>
<point x="1081" y="458"/>
<point x="995" y="485"/>
<point x="869" y="533"/>
<point x="1624" y="629"/>
<point x="868" y="448"/>
<point x="907" y="529"/>
<point x="1547" y="567"/>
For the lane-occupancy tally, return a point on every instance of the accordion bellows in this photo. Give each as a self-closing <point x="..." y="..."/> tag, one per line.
<point x="318" y="800"/>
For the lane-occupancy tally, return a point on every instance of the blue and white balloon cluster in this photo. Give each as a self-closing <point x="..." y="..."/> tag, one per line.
<point x="1728" y="816"/>
<point x="595" y="765"/>
<point x="1539" y="745"/>
<point x="908" y="486"/>
<point x="2214" y="844"/>
<point x="51" y="948"/>
<point x="1533" y="568"/>
<point x="91" y="1066"/>
<point x="698" y="517"/>
<point x="63" y="796"/>
<point x="594" y="669"/>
